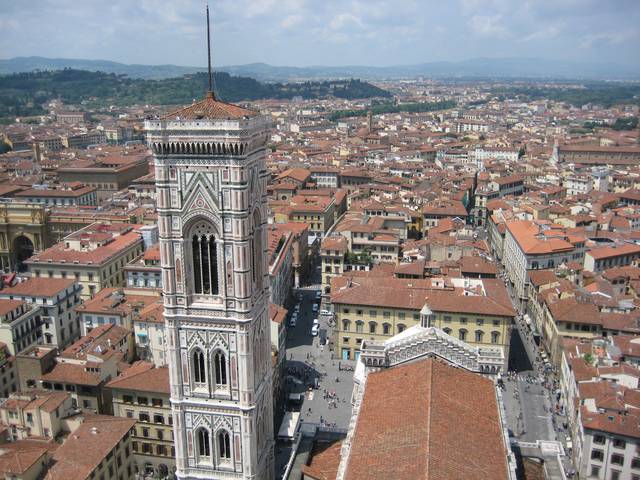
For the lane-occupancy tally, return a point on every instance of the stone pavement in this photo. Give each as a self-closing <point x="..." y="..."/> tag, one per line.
<point x="307" y="360"/>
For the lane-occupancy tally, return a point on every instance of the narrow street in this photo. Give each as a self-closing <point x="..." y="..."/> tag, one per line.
<point x="530" y="388"/>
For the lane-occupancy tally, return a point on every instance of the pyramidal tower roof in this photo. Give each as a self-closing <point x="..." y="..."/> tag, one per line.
<point x="210" y="108"/>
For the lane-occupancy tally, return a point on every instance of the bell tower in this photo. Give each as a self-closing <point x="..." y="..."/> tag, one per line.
<point x="211" y="199"/>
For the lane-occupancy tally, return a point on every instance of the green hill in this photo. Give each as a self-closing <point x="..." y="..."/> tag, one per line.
<point x="23" y="94"/>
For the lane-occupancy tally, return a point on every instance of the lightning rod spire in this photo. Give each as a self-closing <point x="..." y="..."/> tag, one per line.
<point x="210" y="92"/>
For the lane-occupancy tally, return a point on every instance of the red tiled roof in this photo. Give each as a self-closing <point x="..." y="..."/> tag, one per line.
<point x="87" y="446"/>
<point x="412" y="294"/>
<point x="72" y="373"/>
<point x="617" y="251"/>
<point x="212" y="108"/>
<point x="59" y="254"/>
<point x="299" y="174"/>
<point x="534" y="240"/>
<point x="38" y="287"/>
<point x="143" y="376"/>
<point x="570" y="310"/>
<point x="324" y="461"/>
<point x="612" y="422"/>
<point x="443" y="406"/>
<point x="277" y="313"/>
<point x="7" y="306"/>
<point x="17" y="458"/>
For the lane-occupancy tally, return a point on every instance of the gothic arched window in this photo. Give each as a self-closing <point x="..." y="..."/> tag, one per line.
<point x="224" y="445"/>
<point x="199" y="375"/>
<point x="204" y="447"/>
<point x="205" y="260"/>
<point x="256" y="251"/>
<point x="220" y="368"/>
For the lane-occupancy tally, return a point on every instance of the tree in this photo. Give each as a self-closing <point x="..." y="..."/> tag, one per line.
<point x="628" y="123"/>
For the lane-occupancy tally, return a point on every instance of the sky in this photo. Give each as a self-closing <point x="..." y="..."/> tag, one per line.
<point x="322" y="32"/>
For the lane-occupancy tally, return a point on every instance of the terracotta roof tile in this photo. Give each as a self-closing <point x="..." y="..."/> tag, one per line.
<point x="210" y="108"/>
<point x="17" y="458"/>
<point x="324" y="462"/>
<point x="143" y="376"/>
<point x="72" y="373"/>
<point x="7" y="306"/>
<point x="87" y="446"/>
<point x="443" y="406"/>
<point x="38" y="287"/>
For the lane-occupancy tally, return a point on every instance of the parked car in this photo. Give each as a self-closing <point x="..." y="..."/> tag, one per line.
<point x="318" y="295"/>
<point x="324" y="311"/>
<point x="315" y="307"/>
<point x="316" y="322"/>
<point x="293" y="320"/>
<point x="296" y="308"/>
<point x="314" y="330"/>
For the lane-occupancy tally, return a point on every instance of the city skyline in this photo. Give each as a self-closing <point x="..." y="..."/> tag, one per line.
<point x="326" y="272"/>
<point x="304" y="33"/>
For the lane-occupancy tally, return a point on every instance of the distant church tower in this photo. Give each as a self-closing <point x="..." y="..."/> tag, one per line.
<point x="211" y="198"/>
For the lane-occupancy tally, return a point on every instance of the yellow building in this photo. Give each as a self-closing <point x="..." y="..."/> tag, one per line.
<point x="476" y="311"/>
<point x="568" y="318"/>
<point x="23" y="232"/>
<point x="332" y="252"/>
<point x="317" y="211"/>
<point x="24" y="460"/>
<point x="142" y="393"/>
<point x="36" y="413"/>
<point x="94" y="256"/>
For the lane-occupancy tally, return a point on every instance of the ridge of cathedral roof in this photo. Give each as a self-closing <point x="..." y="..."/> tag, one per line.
<point x="210" y="108"/>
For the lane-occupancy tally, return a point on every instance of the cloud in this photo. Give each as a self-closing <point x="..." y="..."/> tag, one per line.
<point x="489" y="25"/>
<point x="345" y="20"/>
<point x="547" y="33"/>
<point x="7" y="23"/>
<point x="291" y="21"/>
<point x="610" y="38"/>
<point x="304" y="32"/>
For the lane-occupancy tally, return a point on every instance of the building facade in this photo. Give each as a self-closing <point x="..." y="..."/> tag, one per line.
<point x="57" y="299"/>
<point x="23" y="232"/>
<point x="20" y="325"/>
<point x="142" y="393"/>
<point x="477" y="312"/>
<point x="95" y="256"/>
<point x="211" y="195"/>
<point x="533" y="245"/>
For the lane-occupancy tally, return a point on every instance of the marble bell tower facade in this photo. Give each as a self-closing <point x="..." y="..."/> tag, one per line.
<point x="211" y="198"/>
